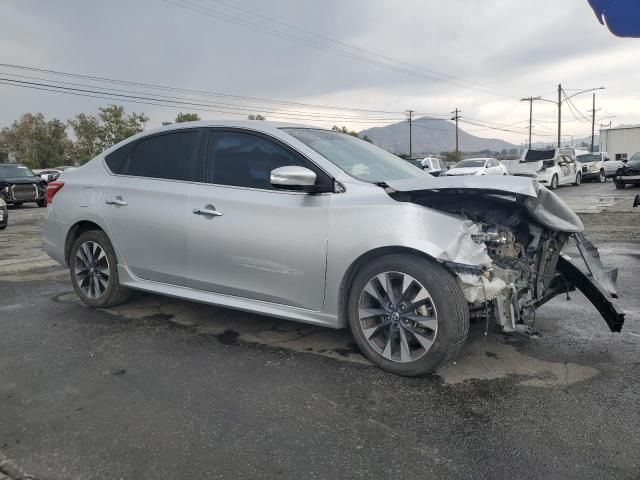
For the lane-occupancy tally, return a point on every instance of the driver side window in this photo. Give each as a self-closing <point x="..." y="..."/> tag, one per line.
<point x="244" y="159"/>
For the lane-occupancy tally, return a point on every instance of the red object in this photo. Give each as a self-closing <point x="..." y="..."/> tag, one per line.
<point x="52" y="189"/>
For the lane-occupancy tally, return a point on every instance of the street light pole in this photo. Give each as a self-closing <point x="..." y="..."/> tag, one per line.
<point x="559" y="115"/>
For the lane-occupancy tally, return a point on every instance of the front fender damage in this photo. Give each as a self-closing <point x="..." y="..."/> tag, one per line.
<point x="507" y="254"/>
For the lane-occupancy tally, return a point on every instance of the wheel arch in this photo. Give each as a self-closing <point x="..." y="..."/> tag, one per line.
<point x="352" y="270"/>
<point x="75" y="231"/>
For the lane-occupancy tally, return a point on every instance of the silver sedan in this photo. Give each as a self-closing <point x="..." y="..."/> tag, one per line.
<point x="320" y="227"/>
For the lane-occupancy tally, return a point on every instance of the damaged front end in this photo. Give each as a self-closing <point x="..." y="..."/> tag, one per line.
<point x="508" y="254"/>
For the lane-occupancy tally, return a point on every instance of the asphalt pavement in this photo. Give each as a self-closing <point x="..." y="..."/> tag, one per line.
<point x="161" y="388"/>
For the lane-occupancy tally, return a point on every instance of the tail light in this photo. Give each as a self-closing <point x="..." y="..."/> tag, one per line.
<point x="52" y="189"/>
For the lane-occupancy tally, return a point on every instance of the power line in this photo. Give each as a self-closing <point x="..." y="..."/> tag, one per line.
<point x="248" y="108"/>
<point x="351" y="46"/>
<point x="185" y="90"/>
<point x="423" y="73"/>
<point x="146" y="100"/>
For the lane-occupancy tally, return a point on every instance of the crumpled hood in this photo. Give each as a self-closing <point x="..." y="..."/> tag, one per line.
<point x="541" y="203"/>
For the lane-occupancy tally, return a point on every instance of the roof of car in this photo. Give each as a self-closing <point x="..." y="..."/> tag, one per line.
<point x="261" y="125"/>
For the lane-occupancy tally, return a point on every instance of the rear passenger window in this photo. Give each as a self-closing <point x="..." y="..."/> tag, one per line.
<point x="246" y="160"/>
<point x="173" y="156"/>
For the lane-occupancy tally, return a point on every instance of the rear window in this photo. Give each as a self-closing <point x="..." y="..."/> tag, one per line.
<point x="537" y="155"/>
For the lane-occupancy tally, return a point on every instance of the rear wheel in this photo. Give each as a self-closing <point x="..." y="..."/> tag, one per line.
<point x="619" y="185"/>
<point x="578" y="179"/>
<point x="94" y="271"/>
<point x="554" y="183"/>
<point x="407" y="314"/>
<point x="42" y="203"/>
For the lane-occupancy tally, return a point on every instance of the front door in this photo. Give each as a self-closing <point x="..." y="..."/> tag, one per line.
<point x="145" y="206"/>
<point x="248" y="239"/>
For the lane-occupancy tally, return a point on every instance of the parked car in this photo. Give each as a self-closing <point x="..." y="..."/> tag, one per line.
<point x="593" y="166"/>
<point x="4" y="214"/>
<point x="316" y="226"/>
<point x="434" y="166"/>
<point x="629" y="173"/>
<point x="551" y="168"/>
<point x="611" y="166"/>
<point x="478" y="166"/>
<point x="48" y="174"/>
<point x="415" y="162"/>
<point x="20" y="185"/>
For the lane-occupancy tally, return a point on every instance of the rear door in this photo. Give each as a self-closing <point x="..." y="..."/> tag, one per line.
<point x="262" y="243"/>
<point x="145" y="203"/>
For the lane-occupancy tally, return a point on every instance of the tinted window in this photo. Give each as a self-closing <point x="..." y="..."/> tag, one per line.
<point x="173" y="156"/>
<point x="246" y="160"/>
<point x="117" y="160"/>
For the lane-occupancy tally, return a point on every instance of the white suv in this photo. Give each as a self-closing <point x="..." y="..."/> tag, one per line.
<point x="551" y="168"/>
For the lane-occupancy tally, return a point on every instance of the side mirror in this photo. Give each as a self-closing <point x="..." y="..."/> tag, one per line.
<point x="293" y="177"/>
<point x="636" y="201"/>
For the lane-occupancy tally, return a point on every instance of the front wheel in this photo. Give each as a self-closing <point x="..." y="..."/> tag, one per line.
<point x="602" y="178"/>
<point x="578" y="179"/>
<point x="407" y="314"/>
<point x="94" y="271"/>
<point x="554" y="183"/>
<point x="619" y="185"/>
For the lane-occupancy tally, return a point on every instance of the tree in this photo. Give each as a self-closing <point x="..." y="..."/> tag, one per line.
<point x="116" y="126"/>
<point x="36" y="142"/>
<point x="353" y="133"/>
<point x="187" y="117"/>
<point x="86" y="130"/>
<point x="256" y="117"/>
<point x="95" y="134"/>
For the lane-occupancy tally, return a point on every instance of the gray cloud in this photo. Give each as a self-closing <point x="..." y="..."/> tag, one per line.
<point x="517" y="48"/>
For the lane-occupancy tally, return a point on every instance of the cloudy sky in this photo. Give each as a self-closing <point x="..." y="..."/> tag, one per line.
<point x="382" y="56"/>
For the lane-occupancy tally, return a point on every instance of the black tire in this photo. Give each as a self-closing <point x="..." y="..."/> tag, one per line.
<point x="451" y="311"/>
<point x="114" y="294"/>
<point x="554" y="183"/>
<point x="602" y="178"/>
<point x="619" y="185"/>
<point x="42" y="203"/>
<point x="578" y="179"/>
<point x="2" y="227"/>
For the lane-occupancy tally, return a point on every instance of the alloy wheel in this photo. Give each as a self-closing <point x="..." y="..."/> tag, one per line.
<point x="397" y="317"/>
<point x="91" y="269"/>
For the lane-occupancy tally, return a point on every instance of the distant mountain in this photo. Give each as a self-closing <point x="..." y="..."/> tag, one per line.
<point x="430" y="135"/>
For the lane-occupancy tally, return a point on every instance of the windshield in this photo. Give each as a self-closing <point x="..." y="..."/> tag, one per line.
<point x="587" y="158"/>
<point x="471" y="163"/>
<point x="356" y="157"/>
<point x="15" y="171"/>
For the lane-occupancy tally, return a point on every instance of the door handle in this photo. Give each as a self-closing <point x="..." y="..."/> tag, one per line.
<point x="116" y="201"/>
<point x="207" y="211"/>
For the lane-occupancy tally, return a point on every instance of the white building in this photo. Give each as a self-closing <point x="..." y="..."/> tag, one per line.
<point x="620" y="142"/>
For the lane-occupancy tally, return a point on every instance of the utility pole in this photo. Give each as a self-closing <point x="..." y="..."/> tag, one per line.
<point x="530" y="100"/>
<point x="456" y="116"/>
<point x="410" y="113"/>
<point x="593" y="120"/>
<point x="559" y="115"/>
